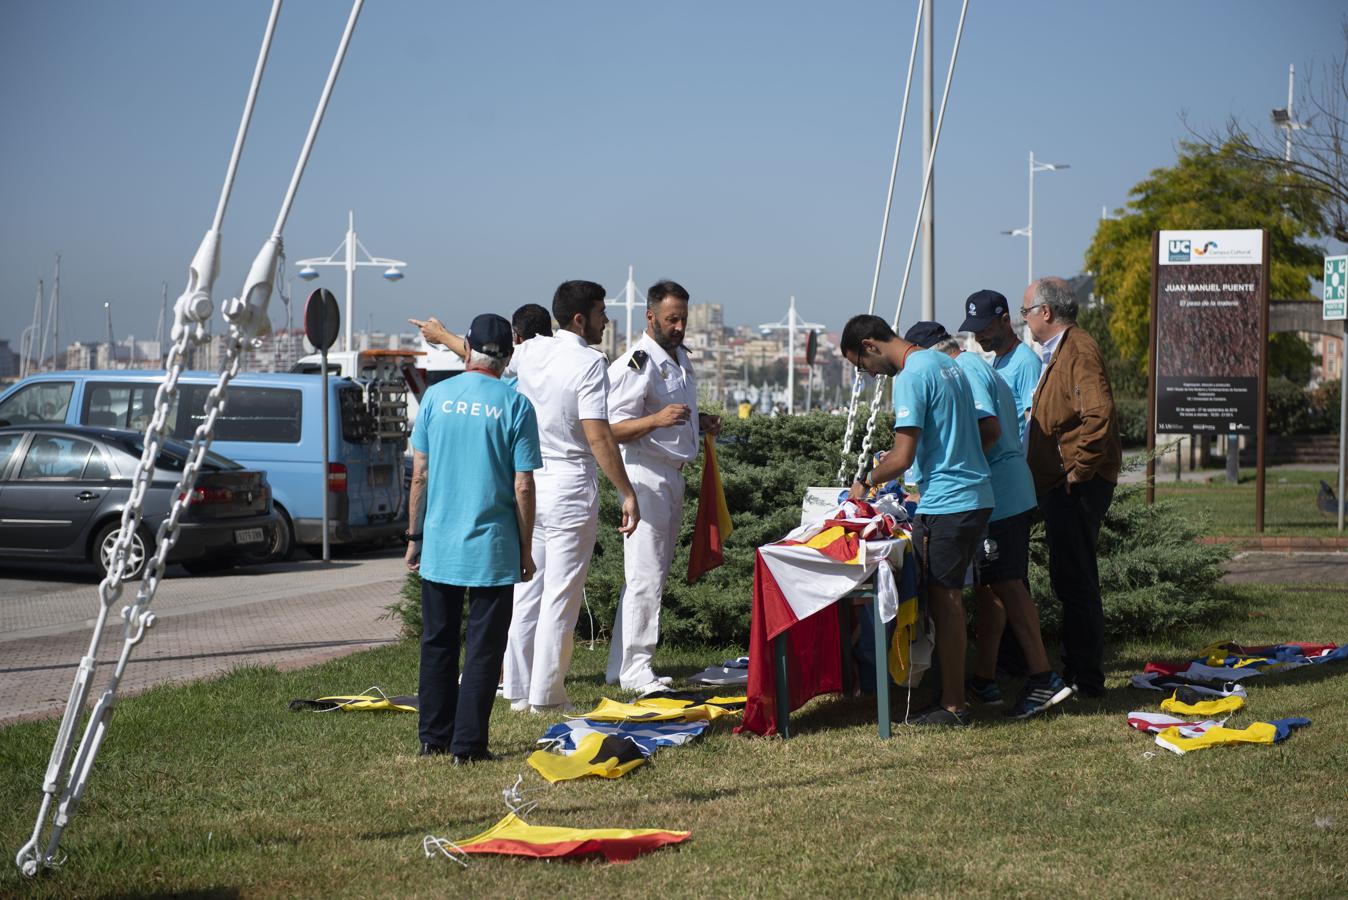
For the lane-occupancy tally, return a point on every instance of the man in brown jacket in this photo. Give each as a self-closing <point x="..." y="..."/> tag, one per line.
<point x="1074" y="454"/>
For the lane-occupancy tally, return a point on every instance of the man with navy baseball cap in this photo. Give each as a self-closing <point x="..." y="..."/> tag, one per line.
<point x="475" y="447"/>
<point x="988" y="318"/>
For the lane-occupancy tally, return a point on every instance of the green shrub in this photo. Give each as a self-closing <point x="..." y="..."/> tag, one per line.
<point x="1288" y="409"/>
<point x="1132" y="418"/>
<point x="1154" y="576"/>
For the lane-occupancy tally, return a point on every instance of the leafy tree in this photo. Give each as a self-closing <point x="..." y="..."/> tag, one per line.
<point x="1206" y="188"/>
<point x="1319" y="143"/>
<point x="1290" y="357"/>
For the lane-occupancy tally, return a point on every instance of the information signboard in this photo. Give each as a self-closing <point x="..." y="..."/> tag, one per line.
<point x="1209" y="294"/>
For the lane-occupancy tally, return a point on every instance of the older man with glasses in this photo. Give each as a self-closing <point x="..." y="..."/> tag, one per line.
<point x="1075" y="455"/>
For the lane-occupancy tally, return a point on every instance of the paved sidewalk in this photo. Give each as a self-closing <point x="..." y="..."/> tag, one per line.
<point x="1262" y="567"/>
<point x="286" y="615"/>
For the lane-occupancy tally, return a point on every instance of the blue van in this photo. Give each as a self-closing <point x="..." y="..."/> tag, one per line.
<point x="272" y="422"/>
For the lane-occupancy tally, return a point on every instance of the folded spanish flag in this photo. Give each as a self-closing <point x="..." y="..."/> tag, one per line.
<point x="514" y="837"/>
<point x="713" y="524"/>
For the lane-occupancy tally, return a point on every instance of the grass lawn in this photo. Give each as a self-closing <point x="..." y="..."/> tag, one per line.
<point x="215" y="789"/>
<point x="1289" y="503"/>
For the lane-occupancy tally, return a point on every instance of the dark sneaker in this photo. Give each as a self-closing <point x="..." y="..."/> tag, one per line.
<point x="984" y="693"/>
<point x="1038" y="697"/>
<point x="467" y="759"/>
<point x="939" y="715"/>
<point x="433" y="750"/>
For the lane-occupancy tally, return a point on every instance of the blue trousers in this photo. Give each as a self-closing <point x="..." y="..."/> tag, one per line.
<point x="455" y="714"/>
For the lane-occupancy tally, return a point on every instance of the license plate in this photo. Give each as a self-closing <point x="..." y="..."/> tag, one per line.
<point x="381" y="476"/>
<point x="248" y="536"/>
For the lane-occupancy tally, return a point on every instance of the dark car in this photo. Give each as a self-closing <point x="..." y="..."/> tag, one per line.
<point x="63" y="489"/>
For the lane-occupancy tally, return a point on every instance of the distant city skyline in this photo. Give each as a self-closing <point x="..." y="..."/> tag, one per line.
<point x="741" y="150"/>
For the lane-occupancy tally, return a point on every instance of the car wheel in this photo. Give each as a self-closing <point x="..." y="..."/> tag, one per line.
<point x="281" y="545"/>
<point x="138" y="553"/>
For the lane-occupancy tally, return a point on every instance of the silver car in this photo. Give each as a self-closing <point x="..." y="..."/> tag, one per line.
<point x="63" y="489"/>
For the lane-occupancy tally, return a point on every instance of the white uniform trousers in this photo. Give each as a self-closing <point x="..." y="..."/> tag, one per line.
<point x="542" y="627"/>
<point x="646" y="558"/>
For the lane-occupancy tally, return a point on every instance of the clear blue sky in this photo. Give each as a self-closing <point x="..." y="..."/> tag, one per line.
<point x="740" y="148"/>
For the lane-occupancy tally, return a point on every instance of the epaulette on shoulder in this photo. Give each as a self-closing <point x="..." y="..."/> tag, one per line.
<point x="638" y="360"/>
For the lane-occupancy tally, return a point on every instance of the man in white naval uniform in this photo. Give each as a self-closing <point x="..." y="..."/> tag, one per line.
<point x="653" y="411"/>
<point x="567" y="382"/>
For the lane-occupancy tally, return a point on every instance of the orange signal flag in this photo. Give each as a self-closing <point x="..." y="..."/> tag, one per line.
<point x="713" y="523"/>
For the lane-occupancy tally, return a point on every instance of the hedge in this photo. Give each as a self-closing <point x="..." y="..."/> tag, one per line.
<point x="1154" y="575"/>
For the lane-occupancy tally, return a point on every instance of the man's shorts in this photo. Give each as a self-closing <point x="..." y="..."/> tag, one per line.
<point x="945" y="544"/>
<point x="1004" y="554"/>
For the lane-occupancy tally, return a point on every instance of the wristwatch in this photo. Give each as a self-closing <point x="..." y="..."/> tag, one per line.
<point x="408" y="537"/>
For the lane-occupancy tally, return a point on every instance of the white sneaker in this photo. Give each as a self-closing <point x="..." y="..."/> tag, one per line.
<point x="519" y="705"/>
<point x="666" y="680"/>
<point x="553" y="709"/>
<point x="653" y="687"/>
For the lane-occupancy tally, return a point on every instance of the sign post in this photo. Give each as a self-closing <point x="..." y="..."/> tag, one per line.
<point x="1336" y="307"/>
<point x="1209" y="340"/>
<point x="321" y="323"/>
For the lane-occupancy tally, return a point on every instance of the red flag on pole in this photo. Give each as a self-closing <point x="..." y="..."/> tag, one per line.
<point x="713" y="523"/>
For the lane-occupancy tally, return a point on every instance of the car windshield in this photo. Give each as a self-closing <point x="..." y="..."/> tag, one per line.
<point x="173" y="456"/>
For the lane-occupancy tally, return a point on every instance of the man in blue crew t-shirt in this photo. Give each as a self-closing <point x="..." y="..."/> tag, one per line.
<point x="989" y="320"/>
<point x="471" y="515"/>
<point x="1002" y="563"/>
<point x="934" y="425"/>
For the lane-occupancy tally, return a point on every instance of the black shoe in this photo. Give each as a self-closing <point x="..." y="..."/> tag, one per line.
<point x="433" y="750"/>
<point x="467" y="759"/>
<point x="1088" y="692"/>
<point x="939" y="715"/>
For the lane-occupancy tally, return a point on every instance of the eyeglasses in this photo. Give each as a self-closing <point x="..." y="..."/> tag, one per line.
<point x="1026" y="310"/>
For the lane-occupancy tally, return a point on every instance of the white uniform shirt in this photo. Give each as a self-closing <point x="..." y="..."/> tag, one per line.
<point x="566" y="381"/>
<point x="648" y="388"/>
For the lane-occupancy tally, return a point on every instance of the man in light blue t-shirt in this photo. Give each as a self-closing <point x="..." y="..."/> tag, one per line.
<point x="1002" y="563"/>
<point x="471" y="515"/>
<point x="989" y="319"/>
<point x="934" y="425"/>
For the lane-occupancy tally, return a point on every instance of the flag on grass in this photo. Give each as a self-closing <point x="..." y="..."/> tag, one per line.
<point x="649" y="736"/>
<point x="713" y="524"/>
<point x="653" y="710"/>
<point x="515" y="837"/>
<point x="605" y="755"/>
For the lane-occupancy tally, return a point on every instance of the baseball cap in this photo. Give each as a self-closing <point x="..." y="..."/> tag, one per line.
<point x="983" y="308"/>
<point x="491" y="334"/>
<point x="926" y="334"/>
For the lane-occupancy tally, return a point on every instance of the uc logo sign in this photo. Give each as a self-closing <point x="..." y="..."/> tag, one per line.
<point x="1180" y="250"/>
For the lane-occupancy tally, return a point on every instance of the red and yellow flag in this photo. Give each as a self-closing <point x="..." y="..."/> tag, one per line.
<point x="713" y="523"/>
<point x="513" y="836"/>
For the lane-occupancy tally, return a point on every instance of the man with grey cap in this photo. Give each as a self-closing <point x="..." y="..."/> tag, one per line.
<point x="471" y="519"/>
<point x="988" y="318"/>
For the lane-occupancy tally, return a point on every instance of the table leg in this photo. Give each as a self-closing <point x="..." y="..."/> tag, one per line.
<point x="782" y="649"/>
<point x="845" y="643"/>
<point x="881" y="672"/>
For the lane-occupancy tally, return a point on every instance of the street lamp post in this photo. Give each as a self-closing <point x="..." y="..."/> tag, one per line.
<point x="791" y="324"/>
<point x="1028" y="231"/>
<point x="1283" y="118"/>
<point x="349" y="261"/>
